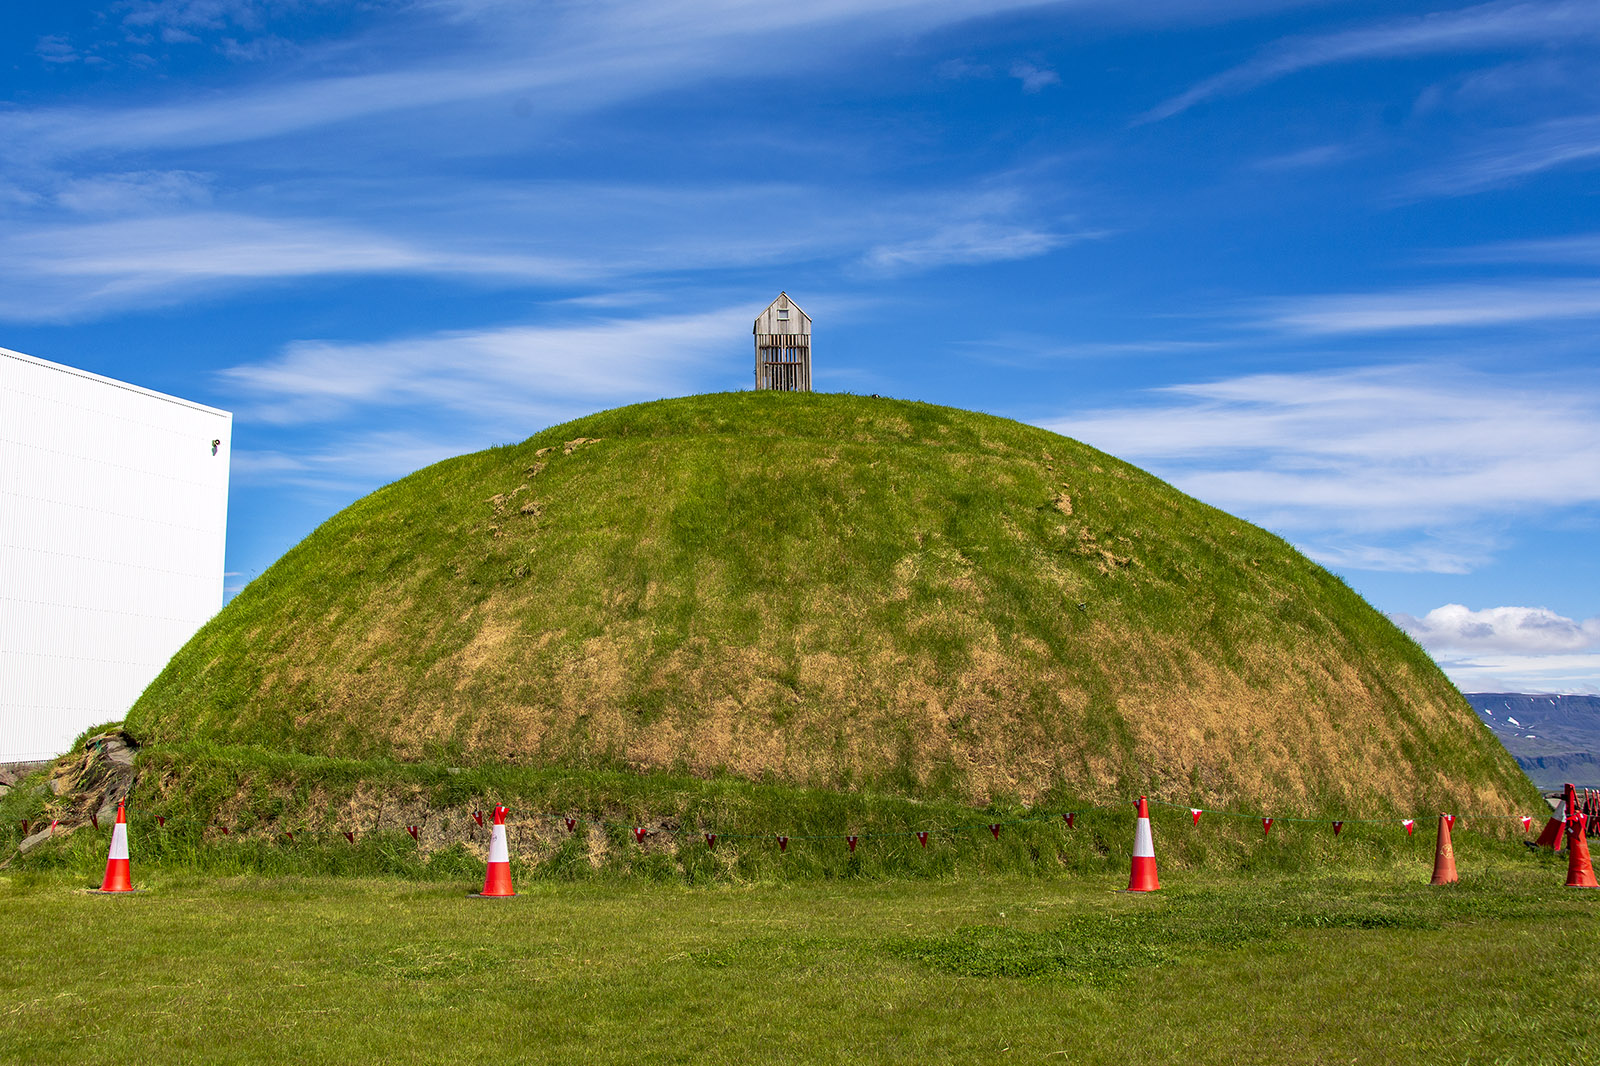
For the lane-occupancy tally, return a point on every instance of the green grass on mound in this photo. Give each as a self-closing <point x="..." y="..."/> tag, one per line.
<point x="829" y="592"/>
<point x="261" y="797"/>
<point x="1267" y="969"/>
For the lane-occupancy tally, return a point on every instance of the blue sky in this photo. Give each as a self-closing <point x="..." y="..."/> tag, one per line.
<point x="1332" y="267"/>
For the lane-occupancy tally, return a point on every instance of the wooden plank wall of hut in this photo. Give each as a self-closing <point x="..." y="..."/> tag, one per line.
<point x="785" y="360"/>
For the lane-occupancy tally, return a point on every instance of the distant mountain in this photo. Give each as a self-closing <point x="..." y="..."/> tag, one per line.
<point x="1554" y="739"/>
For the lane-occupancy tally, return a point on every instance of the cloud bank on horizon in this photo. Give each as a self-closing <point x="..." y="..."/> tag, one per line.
<point x="1333" y="268"/>
<point x="1541" y="649"/>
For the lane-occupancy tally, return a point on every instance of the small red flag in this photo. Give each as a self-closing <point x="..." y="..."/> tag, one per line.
<point x="1411" y="826"/>
<point x="994" y="827"/>
<point x="479" y="816"/>
<point x="711" y="840"/>
<point x="224" y="830"/>
<point x="851" y="841"/>
<point x="290" y="835"/>
<point x="1070" y="817"/>
<point x="572" y="823"/>
<point x="95" y="818"/>
<point x="1450" y="820"/>
<point x="53" y="823"/>
<point x="1527" y="821"/>
<point x="24" y="827"/>
<point x="350" y="836"/>
<point x="412" y="830"/>
<point x="783" y="843"/>
<point x="161" y="820"/>
<point x="1338" y="827"/>
<point x="923" y="836"/>
<point x="639" y="832"/>
<point x="1266" y="826"/>
<point x="1195" y="812"/>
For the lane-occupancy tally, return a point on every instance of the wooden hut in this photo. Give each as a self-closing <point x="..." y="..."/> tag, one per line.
<point x="783" y="347"/>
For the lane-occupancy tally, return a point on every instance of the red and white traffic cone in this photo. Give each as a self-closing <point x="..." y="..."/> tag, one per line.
<point x="1142" y="878"/>
<point x="117" y="878"/>
<point x="1556" y="827"/>
<point x="497" y="879"/>
<point x="1444" y="855"/>
<point x="1580" y="871"/>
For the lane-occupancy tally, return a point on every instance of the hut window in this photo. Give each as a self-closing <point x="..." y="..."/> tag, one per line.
<point x="783" y="314"/>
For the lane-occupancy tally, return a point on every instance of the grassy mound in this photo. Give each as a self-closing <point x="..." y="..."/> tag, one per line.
<point x="836" y="593"/>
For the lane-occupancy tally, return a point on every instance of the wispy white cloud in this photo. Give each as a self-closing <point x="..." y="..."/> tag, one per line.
<point x="493" y="373"/>
<point x="54" y="272"/>
<point x="1482" y="27"/>
<point x="558" y="59"/>
<point x="361" y="414"/>
<point x="1034" y="79"/>
<point x="207" y="14"/>
<point x="1516" y="154"/>
<point x="966" y="242"/>
<point x="56" y="49"/>
<point x="1317" y="155"/>
<point x="133" y="192"/>
<point x="150" y="238"/>
<point x="1578" y="248"/>
<point x="1443" y="306"/>
<point x="352" y="463"/>
<point x="1570" y="674"/>
<point x="1456" y="552"/>
<point x="1392" y="469"/>
<point x="1024" y="348"/>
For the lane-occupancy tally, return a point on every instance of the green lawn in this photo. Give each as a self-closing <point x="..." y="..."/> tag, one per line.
<point x="1272" y="968"/>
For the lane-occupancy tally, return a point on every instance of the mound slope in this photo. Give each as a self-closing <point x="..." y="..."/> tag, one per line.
<point x="831" y="591"/>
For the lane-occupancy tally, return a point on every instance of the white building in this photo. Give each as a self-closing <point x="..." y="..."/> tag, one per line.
<point x="113" y="514"/>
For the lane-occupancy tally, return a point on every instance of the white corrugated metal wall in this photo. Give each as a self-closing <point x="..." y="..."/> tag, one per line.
<point x="113" y="519"/>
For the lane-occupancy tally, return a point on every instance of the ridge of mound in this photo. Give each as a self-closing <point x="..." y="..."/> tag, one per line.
<point x="830" y="591"/>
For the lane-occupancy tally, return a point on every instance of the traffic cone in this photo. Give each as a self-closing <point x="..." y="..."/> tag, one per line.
<point x="1555" y="828"/>
<point x="1142" y="878"/>
<point x="117" y="878"/>
<point x="1580" y="871"/>
<point x="497" y="879"/>
<point x="1444" y="856"/>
